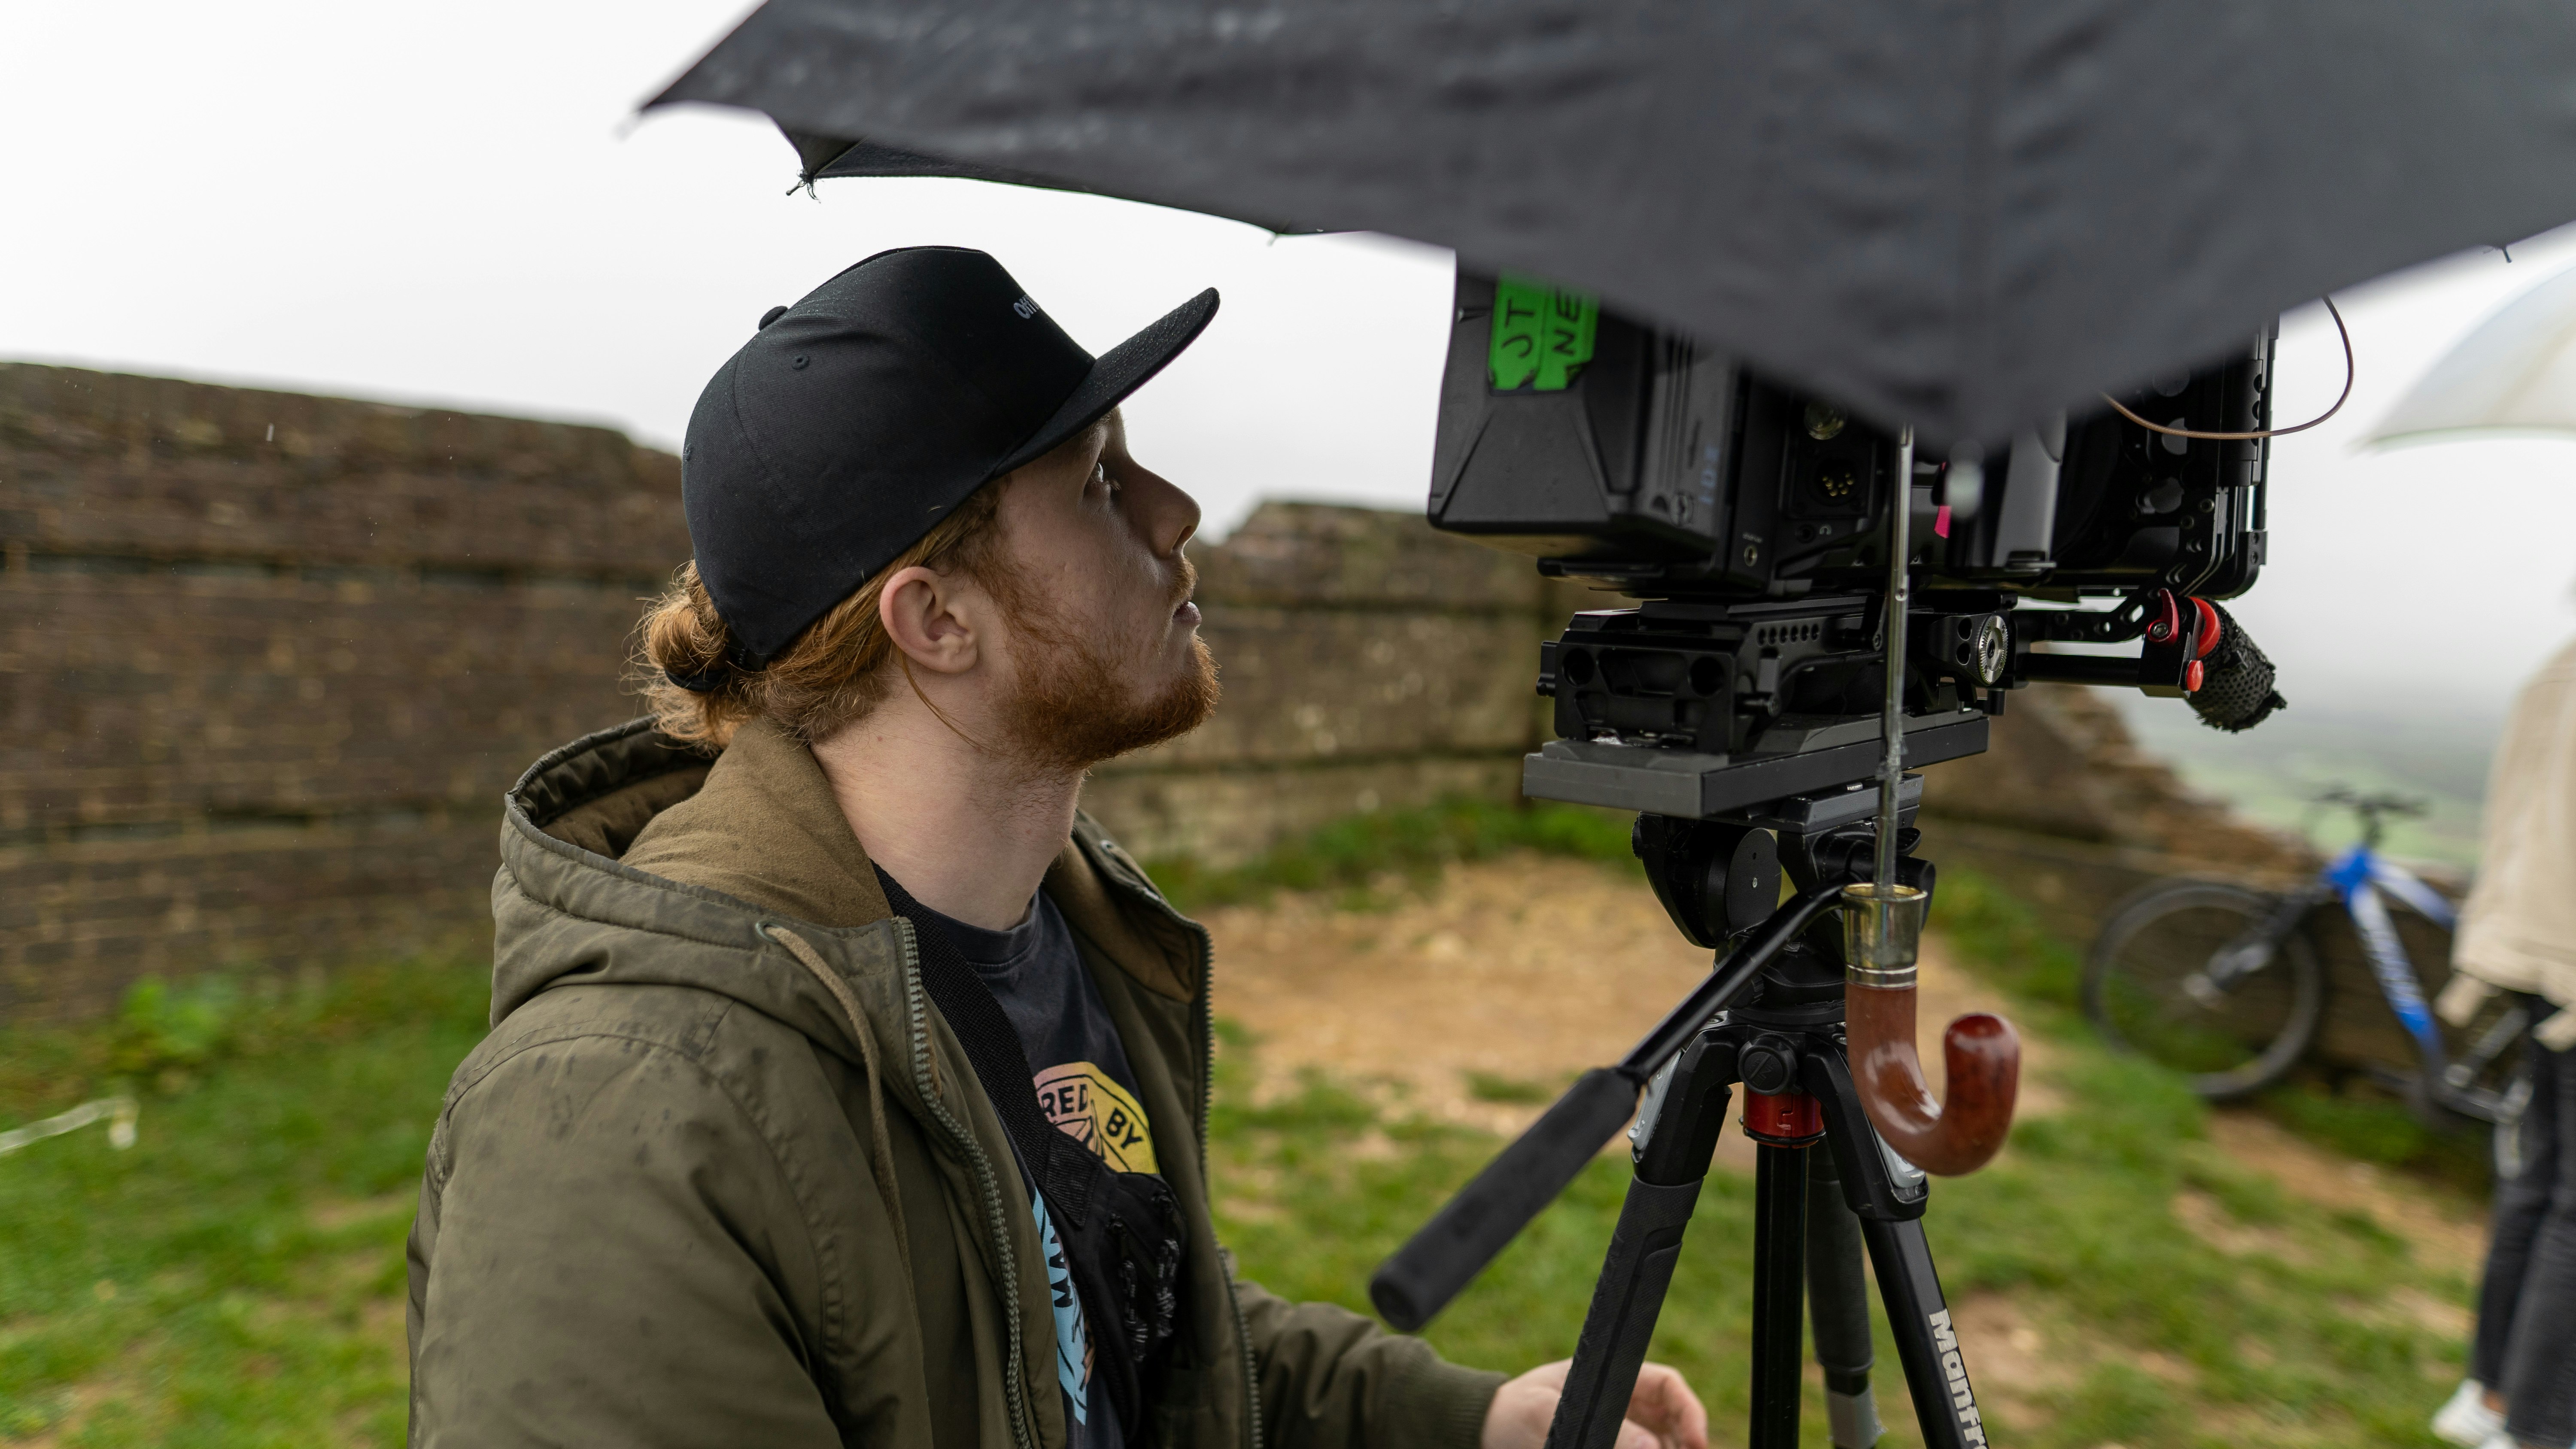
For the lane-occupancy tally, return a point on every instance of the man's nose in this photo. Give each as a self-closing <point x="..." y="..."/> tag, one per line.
<point x="1165" y="515"/>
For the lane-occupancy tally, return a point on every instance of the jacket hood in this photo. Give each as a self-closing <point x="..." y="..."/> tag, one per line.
<point x="566" y="826"/>
<point x="765" y="847"/>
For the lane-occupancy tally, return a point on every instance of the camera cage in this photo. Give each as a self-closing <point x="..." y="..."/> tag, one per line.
<point x="1748" y="519"/>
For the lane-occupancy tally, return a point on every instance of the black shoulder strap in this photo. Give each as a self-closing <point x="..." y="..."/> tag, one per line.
<point x="1065" y="1170"/>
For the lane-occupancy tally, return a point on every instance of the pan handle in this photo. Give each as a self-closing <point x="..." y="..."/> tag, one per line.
<point x="1881" y="936"/>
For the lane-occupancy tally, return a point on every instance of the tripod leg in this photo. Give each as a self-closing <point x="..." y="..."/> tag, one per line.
<point x="1779" y="1256"/>
<point x="1643" y="1251"/>
<point x="1671" y="1164"/>
<point x="1839" y="1297"/>
<point x="1925" y="1342"/>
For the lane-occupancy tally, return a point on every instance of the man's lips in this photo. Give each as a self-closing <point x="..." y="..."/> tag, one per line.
<point x="1187" y="615"/>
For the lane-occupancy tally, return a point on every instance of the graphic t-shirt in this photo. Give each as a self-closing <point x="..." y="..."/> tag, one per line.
<point x="1086" y="1088"/>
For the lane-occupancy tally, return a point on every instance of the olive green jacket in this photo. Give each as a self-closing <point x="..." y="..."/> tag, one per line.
<point x="722" y="1175"/>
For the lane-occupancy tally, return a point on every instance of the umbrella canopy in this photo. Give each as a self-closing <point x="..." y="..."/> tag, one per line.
<point x="2514" y="373"/>
<point x="1959" y="214"/>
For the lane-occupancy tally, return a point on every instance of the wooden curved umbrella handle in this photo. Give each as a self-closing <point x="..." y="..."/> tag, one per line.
<point x="1983" y="1055"/>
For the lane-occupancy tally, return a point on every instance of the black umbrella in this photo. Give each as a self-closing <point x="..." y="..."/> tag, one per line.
<point x="1962" y="215"/>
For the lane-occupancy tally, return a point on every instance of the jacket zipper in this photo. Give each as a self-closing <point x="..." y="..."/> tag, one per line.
<point x="1207" y="1189"/>
<point x="916" y="1020"/>
<point x="1205" y="1013"/>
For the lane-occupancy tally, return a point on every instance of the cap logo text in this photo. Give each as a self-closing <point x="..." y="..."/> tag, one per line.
<point x="1025" y="308"/>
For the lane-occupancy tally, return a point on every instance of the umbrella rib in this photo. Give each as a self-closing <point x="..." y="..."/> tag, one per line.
<point x="2340" y="400"/>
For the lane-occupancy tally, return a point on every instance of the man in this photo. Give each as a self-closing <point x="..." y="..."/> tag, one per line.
<point x="849" y="1087"/>
<point x="2518" y="934"/>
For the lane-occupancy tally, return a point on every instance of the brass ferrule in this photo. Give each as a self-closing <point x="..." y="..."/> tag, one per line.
<point x="1882" y="935"/>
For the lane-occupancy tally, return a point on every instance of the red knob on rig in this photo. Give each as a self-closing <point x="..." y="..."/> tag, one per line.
<point x="2168" y="618"/>
<point x="2209" y="632"/>
<point x="1785" y="1119"/>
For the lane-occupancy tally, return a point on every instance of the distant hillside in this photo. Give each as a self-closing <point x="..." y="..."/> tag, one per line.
<point x="2272" y="774"/>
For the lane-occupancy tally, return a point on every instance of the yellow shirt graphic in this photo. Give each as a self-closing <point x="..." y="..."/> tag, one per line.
<point x="1082" y="1100"/>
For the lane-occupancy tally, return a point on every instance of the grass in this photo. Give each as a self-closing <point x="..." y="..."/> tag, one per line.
<point x="2168" y="1342"/>
<point x="236" y="1278"/>
<point x="2347" y="1112"/>
<point x="2359" y="1118"/>
<point x="2002" y="940"/>
<point x="1358" y="857"/>
<point x="1494" y="1087"/>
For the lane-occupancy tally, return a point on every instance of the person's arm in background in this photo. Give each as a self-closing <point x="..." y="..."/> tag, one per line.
<point x="2517" y="930"/>
<point x="1334" y="1379"/>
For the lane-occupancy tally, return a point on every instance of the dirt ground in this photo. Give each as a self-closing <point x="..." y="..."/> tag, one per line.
<point x="1529" y="970"/>
<point x="1524" y="971"/>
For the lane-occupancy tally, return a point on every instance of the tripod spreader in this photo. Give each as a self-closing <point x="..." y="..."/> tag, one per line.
<point x="1420" y="1278"/>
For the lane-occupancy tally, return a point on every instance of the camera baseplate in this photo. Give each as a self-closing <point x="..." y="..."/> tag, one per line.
<point x="1693" y="709"/>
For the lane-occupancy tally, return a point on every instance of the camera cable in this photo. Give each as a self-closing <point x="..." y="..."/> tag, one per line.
<point x="2345" y="396"/>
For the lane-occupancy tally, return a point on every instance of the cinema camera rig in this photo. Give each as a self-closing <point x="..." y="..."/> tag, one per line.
<point x="1749" y="521"/>
<point x="1794" y="637"/>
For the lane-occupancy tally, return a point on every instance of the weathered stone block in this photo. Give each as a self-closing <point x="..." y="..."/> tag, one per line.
<point x="1310" y="554"/>
<point x="1224" y="817"/>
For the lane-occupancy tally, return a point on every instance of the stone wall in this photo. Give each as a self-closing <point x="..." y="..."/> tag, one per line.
<point x="1367" y="662"/>
<point x="268" y="662"/>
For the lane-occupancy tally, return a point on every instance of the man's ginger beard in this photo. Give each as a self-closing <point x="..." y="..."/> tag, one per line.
<point x="1072" y="703"/>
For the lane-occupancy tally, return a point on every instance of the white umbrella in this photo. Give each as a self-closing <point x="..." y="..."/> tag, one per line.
<point x="2514" y="373"/>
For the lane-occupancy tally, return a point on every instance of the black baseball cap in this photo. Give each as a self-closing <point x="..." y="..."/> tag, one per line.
<point x="852" y="422"/>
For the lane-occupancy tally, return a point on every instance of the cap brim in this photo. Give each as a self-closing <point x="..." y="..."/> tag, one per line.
<point x="1119" y="371"/>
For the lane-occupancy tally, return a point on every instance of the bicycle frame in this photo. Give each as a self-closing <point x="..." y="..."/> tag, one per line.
<point x="2365" y="884"/>
<point x="2363" y="881"/>
<point x="2359" y="876"/>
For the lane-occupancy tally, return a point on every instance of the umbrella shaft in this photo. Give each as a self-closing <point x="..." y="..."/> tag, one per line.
<point x="1891" y="771"/>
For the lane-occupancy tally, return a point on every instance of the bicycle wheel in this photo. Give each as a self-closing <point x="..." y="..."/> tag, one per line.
<point x="2148" y="989"/>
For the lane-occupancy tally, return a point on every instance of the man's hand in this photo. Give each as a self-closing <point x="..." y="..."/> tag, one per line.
<point x="1662" y="1414"/>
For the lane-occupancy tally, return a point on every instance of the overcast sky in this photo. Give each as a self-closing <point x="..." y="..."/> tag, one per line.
<point x="453" y="204"/>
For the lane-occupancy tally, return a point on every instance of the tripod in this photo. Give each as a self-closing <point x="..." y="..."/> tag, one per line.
<point x="1770" y="1017"/>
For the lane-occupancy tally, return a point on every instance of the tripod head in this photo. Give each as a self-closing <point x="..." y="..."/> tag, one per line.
<point x="1718" y="880"/>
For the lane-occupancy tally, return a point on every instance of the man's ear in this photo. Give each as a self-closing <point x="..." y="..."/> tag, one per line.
<point x="930" y="617"/>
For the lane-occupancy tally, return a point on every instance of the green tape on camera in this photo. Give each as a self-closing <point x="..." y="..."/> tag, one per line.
<point x="1542" y="335"/>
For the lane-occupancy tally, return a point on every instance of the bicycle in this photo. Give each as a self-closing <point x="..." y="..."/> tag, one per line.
<point x="2222" y="983"/>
